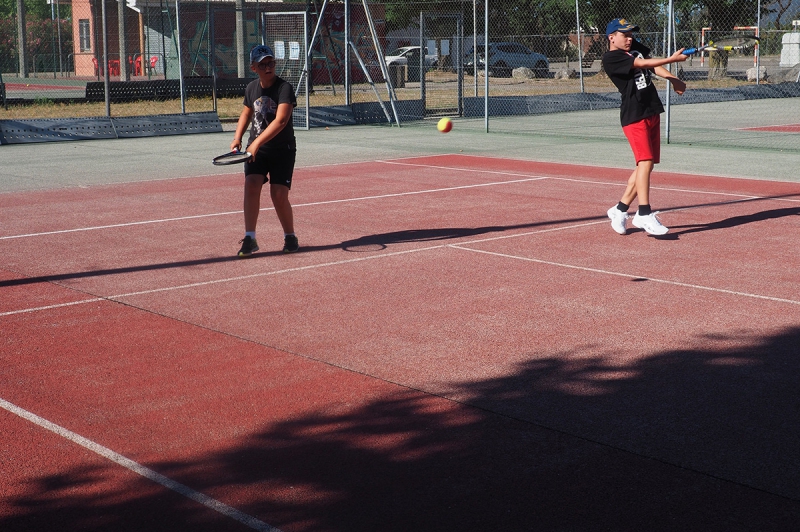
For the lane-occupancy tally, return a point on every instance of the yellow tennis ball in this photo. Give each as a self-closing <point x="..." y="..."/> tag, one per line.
<point x="444" y="125"/>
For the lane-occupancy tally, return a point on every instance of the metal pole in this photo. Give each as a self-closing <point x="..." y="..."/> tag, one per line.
<point x="667" y="53"/>
<point x="178" y="49"/>
<point x="123" y="51"/>
<point x="758" y="48"/>
<point x="22" y="40"/>
<point x="104" y="64"/>
<point x="53" y="36"/>
<point x="347" y="80"/>
<point x="241" y="68"/>
<point x="485" y="65"/>
<point x="420" y="66"/>
<point x="475" y="43"/>
<point x="382" y="61"/>
<point x="60" y="51"/>
<point x="580" y="43"/>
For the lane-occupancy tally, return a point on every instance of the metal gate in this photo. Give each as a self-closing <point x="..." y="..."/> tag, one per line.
<point x="287" y="34"/>
<point x="441" y="63"/>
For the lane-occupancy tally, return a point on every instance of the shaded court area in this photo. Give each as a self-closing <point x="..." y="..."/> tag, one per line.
<point x="462" y="343"/>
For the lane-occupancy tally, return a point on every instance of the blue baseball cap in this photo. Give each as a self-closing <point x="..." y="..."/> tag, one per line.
<point x="258" y="53"/>
<point x="620" y="24"/>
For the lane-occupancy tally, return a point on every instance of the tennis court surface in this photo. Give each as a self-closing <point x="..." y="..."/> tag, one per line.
<point x="462" y="343"/>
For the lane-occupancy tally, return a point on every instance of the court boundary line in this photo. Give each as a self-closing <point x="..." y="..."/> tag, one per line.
<point x="117" y="298"/>
<point x="265" y="209"/>
<point x="526" y="178"/>
<point x="139" y="469"/>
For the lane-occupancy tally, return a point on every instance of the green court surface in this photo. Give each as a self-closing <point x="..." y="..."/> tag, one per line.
<point x="83" y="163"/>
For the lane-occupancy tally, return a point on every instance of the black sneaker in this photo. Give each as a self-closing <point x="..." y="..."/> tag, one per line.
<point x="249" y="246"/>
<point x="290" y="244"/>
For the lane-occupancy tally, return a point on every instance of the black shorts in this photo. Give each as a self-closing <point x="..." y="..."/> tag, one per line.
<point x="276" y="164"/>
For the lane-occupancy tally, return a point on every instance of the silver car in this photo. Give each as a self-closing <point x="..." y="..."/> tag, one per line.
<point x="504" y="57"/>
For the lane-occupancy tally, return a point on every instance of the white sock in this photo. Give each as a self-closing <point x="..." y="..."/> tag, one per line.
<point x="251" y="234"/>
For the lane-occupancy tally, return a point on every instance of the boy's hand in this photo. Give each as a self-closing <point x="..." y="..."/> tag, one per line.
<point x="678" y="85"/>
<point x="678" y="56"/>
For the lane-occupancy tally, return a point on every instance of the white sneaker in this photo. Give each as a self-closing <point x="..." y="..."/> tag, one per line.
<point x="650" y="224"/>
<point x="618" y="219"/>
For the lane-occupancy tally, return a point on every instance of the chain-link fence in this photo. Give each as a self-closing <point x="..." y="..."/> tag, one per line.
<point x="501" y="65"/>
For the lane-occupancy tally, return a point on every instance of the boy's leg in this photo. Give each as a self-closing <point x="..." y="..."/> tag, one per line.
<point x="645" y="218"/>
<point x="253" y="184"/>
<point x="280" y="200"/>
<point x="252" y="200"/>
<point x="642" y="181"/>
<point x="630" y="190"/>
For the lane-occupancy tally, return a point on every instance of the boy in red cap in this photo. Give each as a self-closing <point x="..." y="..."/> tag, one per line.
<point x="630" y="68"/>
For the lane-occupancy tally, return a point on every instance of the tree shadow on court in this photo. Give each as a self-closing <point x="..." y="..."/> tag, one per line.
<point x="695" y="439"/>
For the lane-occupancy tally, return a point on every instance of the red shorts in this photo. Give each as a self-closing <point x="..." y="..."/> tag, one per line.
<point x="644" y="137"/>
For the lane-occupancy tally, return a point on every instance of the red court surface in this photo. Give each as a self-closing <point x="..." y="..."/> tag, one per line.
<point x="784" y="128"/>
<point x="462" y="343"/>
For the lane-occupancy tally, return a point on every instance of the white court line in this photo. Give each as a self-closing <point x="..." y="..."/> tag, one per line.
<point x="312" y="204"/>
<point x="118" y="297"/>
<point x="218" y="281"/>
<point x="628" y="275"/>
<point x="139" y="469"/>
<point x="602" y="183"/>
<point x="526" y="178"/>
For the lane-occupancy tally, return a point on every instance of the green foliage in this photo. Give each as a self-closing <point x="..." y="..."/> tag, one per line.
<point x="34" y="9"/>
<point x="42" y="40"/>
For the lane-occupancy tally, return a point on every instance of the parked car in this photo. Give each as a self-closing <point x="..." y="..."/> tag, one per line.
<point x="504" y="57"/>
<point x="409" y="55"/>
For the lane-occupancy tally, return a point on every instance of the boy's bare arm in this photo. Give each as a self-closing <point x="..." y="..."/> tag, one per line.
<point x="654" y="62"/>
<point x="678" y="85"/>
<point x="241" y="127"/>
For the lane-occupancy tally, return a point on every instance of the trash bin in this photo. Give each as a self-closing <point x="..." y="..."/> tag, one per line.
<point x="397" y="75"/>
<point x="790" y="50"/>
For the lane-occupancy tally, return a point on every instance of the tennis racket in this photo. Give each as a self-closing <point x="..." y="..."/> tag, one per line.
<point x="232" y="157"/>
<point x="725" y="44"/>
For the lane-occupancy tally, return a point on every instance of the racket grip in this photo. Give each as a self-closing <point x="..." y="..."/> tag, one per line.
<point x="690" y="51"/>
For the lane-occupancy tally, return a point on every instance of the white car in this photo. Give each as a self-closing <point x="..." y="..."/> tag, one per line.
<point x="504" y="57"/>
<point x="409" y="55"/>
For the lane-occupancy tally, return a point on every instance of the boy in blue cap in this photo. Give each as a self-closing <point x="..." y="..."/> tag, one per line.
<point x="630" y="68"/>
<point x="268" y="104"/>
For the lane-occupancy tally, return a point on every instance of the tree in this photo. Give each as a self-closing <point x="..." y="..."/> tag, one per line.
<point x="34" y="9"/>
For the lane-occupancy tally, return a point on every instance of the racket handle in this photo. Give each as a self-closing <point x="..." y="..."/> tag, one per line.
<point x="690" y="51"/>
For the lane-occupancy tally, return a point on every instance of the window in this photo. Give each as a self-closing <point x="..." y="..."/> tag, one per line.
<point x="85" y="35"/>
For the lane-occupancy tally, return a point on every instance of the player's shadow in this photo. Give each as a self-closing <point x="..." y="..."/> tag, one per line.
<point x="728" y="223"/>
<point x="381" y="241"/>
<point x="376" y="242"/>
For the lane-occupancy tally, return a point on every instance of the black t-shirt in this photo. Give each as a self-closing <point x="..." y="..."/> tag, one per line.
<point x="264" y="103"/>
<point x="639" y="96"/>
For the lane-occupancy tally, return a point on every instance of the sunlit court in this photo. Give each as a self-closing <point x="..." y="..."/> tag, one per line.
<point x="462" y="342"/>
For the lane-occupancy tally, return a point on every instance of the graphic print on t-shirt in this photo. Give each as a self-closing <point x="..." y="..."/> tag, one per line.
<point x="640" y="77"/>
<point x="264" y="107"/>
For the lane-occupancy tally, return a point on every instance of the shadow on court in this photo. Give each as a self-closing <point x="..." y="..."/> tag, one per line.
<point x="681" y="440"/>
<point x="378" y="242"/>
<point x="366" y="243"/>
<point x="735" y="221"/>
